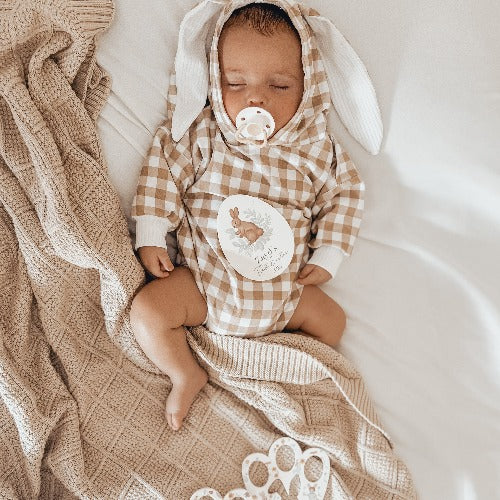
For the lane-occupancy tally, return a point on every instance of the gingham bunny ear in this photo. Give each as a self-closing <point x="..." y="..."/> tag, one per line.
<point x="191" y="64"/>
<point x="351" y="89"/>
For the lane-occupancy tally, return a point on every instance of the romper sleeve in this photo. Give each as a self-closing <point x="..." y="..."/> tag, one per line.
<point x="337" y="213"/>
<point x="166" y="173"/>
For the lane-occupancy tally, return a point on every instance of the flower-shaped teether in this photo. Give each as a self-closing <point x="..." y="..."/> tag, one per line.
<point x="308" y="489"/>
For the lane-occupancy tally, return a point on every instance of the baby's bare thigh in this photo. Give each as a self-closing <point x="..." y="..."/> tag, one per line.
<point x="318" y="315"/>
<point x="175" y="299"/>
<point x="312" y="301"/>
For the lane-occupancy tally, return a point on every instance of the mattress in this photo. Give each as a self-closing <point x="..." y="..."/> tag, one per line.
<point x="421" y="288"/>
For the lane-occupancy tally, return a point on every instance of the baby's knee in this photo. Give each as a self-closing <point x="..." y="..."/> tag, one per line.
<point x="333" y="319"/>
<point x="148" y="312"/>
<point x="140" y="312"/>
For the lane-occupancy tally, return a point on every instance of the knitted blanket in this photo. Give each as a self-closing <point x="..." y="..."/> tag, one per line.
<point x="82" y="409"/>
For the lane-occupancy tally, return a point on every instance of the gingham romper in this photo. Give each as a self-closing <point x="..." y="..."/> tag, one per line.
<point x="302" y="172"/>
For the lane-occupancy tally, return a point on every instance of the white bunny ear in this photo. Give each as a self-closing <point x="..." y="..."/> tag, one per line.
<point x="191" y="64"/>
<point x="351" y="89"/>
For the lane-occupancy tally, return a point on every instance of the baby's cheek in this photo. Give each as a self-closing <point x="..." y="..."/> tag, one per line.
<point x="288" y="111"/>
<point x="231" y="107"/>
<point x="281" y="119"/>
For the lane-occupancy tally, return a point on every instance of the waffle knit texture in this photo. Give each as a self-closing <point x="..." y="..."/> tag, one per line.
<point x="81" y="408"/>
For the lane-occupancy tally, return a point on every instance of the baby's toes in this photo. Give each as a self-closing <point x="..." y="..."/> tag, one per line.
<point x="176" y="421"/>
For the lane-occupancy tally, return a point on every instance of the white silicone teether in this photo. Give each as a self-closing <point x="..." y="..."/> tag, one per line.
<point x="254" y="125"/>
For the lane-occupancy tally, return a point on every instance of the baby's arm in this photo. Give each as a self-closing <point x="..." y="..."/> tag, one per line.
<point x="157" y="207"/>
<point x="336" y="218"/>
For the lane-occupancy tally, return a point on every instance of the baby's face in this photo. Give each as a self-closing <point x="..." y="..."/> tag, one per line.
<point x="263" y="71"/>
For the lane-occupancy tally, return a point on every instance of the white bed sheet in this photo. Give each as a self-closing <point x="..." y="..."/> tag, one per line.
<point x="421" y="288"/>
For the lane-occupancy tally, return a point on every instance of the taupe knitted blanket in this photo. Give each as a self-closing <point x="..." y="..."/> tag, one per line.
<point x="82" y="409"/>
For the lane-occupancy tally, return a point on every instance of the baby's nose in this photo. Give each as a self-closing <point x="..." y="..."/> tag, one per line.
<point x="256" y="101"/>
<point x="256" y="98"/>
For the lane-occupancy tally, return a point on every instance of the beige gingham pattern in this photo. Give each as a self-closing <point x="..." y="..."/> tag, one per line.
<point x="302" y="173"/>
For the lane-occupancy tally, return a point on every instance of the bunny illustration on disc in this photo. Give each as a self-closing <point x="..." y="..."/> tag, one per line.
<point x="245" y="229"/>
<point x="255" y="237"/>
<point x="254" y="125"/>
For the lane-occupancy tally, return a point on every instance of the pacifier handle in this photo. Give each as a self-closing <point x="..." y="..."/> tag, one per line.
<point x="254" y="125"/>
<point x="245" y="140"/>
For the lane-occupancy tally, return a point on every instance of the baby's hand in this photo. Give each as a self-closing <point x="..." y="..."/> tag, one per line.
<point x="313" y="275"/>
<point x="156" y="261"/>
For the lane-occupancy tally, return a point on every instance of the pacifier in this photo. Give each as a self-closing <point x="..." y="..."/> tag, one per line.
<point x="254" y="126"/>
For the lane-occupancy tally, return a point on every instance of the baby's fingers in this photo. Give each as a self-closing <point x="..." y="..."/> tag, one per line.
<point x="309" y="279"/>
<point x="306" y="270"/>
<point x="313" y="275"/>
<point x="155" y="267"/>
<point x="165" y="263"/>
<point x="306" y="275"/>
<point x="157" y="270"/>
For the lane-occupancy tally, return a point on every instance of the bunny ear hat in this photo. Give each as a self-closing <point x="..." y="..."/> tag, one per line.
<point x="351" y="90"/>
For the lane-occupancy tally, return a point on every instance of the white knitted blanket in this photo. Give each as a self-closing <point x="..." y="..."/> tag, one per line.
<point x="82" y="409"/>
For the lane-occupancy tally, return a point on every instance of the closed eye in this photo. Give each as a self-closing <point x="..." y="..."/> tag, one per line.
<point x="280" y="87"/>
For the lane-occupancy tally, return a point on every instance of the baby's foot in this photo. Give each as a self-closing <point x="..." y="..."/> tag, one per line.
<point x="182" y="395"/>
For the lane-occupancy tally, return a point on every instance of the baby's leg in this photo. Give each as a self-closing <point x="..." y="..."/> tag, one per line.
<point x="158" y="315"/>
<point x="319" y="316"/>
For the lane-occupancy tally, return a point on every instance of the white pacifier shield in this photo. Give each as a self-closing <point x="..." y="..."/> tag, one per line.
<point x="255" y="238"/>
<point x="255" y="123"/>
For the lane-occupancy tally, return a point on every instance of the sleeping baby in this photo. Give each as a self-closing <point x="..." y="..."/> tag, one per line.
<point x="264" y="136"/>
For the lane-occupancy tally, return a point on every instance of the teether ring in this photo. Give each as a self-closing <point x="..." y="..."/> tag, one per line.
<point x="308" y="490"/>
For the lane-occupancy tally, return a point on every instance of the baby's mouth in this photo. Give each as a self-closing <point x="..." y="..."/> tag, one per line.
<point x="254" y="125"/>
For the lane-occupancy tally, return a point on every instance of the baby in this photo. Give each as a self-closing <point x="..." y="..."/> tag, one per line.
<point x="259" y="58"/>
